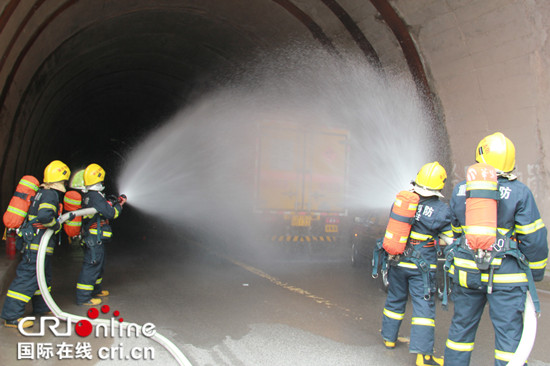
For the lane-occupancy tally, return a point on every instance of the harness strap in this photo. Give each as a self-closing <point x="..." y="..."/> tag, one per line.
<point x="509" y="247"/>
<point x="416" y="257"/>
<point x="99" y="231"/>
<point x="21" y="195"/>
<point x="483" y="193"/>
<point x="449" y="259"/>
<point x="27" y="232"/>
<point x="524" y="265"/>
<point x="401" y="218"/>
<point x="377" y="252"/>
<point x="410" y="254"/>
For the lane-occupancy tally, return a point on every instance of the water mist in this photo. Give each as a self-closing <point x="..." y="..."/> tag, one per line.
<point x="198" y="168"/>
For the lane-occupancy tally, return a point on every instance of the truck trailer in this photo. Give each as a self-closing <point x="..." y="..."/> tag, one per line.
<point x="301" y="181"/>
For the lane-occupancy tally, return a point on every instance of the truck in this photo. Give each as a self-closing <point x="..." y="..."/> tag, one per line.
<point x="301" y="181"/>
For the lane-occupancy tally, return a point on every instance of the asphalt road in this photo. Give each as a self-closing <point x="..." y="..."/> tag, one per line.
<point x="223" y="303"/>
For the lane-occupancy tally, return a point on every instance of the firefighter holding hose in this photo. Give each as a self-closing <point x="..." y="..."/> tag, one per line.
<point x="96" y="231"/>
<point x="42" y="215"/>
<point x="417" y="220"/>
<point x="501" y="272"/>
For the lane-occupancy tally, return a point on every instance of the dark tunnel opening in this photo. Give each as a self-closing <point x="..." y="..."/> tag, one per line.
<point x="112" y="83"/>
<point x="103" y="90"/>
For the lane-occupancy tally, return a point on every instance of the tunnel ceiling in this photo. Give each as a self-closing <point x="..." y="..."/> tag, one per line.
<point x="91" y="77"/>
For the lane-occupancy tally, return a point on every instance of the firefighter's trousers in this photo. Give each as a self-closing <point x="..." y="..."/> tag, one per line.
<point x="91" y="275"/>
<point x="24" y="288"/>
<point x="506" y="310"/>
<point x="403" y="281"/>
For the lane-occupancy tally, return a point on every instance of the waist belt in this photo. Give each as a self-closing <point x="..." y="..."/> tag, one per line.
<point x="410" y="254"/>
<point x="101" y="223"/>
<point x="505" y="245"/>
<point x="424" y="243"/>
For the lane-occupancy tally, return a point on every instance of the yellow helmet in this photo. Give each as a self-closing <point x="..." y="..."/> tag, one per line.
<point x="56" y="171"/>
<point x="430" y="180"/>
<point x="498" y="151"/>
<point x="93" y="174"/>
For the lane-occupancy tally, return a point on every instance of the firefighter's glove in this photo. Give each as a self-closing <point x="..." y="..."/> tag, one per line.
<point x="112" y="199"/>
<point x="57" y="227"/>
<point x="71" y="216"/>
<point x="122" y="199"/>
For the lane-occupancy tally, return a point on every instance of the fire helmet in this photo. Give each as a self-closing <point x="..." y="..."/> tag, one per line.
<point x="430" y="180"/>
<point x="93" y="174"/>
<point x="56" y="171"/>
<point x="498" y="151"/>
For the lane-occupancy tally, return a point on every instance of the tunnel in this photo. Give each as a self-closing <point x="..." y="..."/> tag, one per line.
<point x="84" y="76"/>
<point x="104" y="77"/>
<point x="85" y="79"/>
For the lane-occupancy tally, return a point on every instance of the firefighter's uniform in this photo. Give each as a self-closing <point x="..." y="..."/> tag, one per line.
<point x="42" y="215"/>
<point x="518" y="216"/>
<point x="433" y="217"/>
<point x="96" y="231"/>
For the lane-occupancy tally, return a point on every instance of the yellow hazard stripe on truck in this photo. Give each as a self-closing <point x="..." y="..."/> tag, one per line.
<point x="303" y="238"/>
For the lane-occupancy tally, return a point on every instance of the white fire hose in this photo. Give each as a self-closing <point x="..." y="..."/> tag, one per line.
<point x="40" y="264"/>
<point x="528" y="336"/>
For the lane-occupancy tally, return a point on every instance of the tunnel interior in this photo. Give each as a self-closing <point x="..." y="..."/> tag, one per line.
<point x="113" y="81"/>
<point x="121" y="71"/>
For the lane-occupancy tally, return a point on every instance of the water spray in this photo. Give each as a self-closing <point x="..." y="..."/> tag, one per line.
<point x="198" y="167"/>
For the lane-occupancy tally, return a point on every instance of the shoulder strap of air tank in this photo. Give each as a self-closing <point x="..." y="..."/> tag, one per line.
<point x="99" y="232"/>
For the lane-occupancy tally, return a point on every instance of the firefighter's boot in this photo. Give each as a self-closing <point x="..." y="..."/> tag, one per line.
<point x="15" y="322"/>
<point x="389" y="344"/>
<point x="92" y="302"/>
<point x="103" y="293"/>
<point x="422" y="360"/>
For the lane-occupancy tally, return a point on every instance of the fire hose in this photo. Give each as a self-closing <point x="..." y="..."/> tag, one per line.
<point x="528" y="335"/>
<point x="40" y="264"/>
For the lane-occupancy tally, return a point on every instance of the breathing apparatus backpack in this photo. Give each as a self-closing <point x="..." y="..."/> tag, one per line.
<point x="482" y="196"/>
<point x="393" y="247"/>
<point x="397" y="232"/>
<point x="481" y="237"/>
<point x="20" y="202"/>
<point x="72" y="201"/>
<point x="400" y="222"/>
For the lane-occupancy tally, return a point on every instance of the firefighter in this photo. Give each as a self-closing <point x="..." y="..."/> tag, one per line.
<point x="414" y="271"/>
<point x="42" y="215"/>
<point x="96" y="231"/>
<point x="521" y="226"/>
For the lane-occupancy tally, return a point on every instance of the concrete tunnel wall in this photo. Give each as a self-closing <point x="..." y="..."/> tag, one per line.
<point x="122" y="66"/>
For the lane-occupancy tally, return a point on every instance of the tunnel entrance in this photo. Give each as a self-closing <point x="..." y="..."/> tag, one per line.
<point x="111" y="76"/>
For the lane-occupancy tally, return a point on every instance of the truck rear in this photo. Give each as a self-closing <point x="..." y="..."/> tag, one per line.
<point x="301" y="181"/>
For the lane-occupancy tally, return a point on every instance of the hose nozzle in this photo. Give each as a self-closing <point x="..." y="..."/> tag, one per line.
<point x="122" y="199"/>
